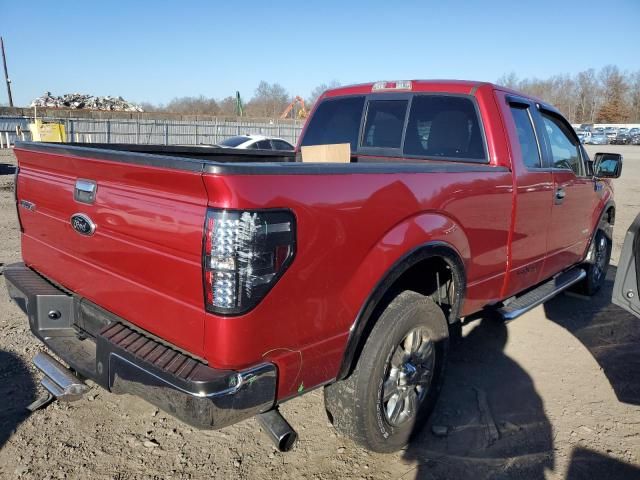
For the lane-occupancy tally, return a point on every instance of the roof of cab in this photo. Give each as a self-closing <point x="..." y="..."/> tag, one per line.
<point x="454" y="86"/>
<point x="451" y="86"/>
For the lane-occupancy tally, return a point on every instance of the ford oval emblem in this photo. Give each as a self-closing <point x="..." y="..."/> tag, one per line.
<point x="82" y="224"/>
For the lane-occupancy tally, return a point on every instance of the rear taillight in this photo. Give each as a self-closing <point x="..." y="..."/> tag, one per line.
<point x="244" y="255"/>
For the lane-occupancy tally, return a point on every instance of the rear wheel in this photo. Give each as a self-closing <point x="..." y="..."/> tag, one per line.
<point x="597" y="269"/>
<point x="396" y="382"/>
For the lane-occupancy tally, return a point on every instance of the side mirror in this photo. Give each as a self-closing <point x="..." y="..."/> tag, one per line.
<point x="607" y="165"/>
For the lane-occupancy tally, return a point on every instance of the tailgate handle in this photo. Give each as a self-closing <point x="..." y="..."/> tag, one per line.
<point x="85" y="191"/>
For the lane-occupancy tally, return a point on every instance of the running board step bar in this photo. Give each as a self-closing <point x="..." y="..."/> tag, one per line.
<point x="541" y="294"/>
<point x="58" y="379"/>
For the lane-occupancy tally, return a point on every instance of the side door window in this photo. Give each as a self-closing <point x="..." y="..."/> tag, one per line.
<point x="526" y="136"/>
<point x="565" y="148"/>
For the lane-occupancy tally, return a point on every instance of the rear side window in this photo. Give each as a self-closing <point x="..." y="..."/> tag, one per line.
<point x="281" y="145"/>
<point x="526" y="136"/>
<point x="335" y="121"/>
<point x="263" y="145"/>
<point x="565" y="149"/>
<point x="385" y="122"/>
<point x="444" y="126"/>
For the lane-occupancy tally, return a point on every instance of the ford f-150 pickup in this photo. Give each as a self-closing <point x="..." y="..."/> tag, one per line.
<point x="218" y="284"/>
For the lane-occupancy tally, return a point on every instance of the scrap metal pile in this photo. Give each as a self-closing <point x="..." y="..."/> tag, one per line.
<point x="86" y="102"/>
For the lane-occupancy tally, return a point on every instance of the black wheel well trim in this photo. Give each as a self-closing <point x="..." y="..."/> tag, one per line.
<point x="605" y="223"/>
<point x="365" y="315"/>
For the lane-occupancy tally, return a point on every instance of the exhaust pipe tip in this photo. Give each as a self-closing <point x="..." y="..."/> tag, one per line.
<point x="282" y="435"/>
<point x="58" y="379"/>
<point x="287" y="441"/>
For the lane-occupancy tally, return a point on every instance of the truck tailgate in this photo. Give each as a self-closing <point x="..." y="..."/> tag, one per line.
<point x="143" y="262"/>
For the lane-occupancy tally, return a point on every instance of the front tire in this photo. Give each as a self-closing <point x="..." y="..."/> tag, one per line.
<point x="394" y="387"/>
<point x="597" y="270"/>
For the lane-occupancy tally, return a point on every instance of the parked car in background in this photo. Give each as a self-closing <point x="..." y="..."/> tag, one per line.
<point x="256" y="142"/>
<point x="634" y="131"/>
<point x="598" y="138"/>
<point x="583" y="135"/>
<point x="621" y="138"/>
<point x="623" y="130"/>
<point x="611" y="132"/>
<point x="635" y="140"/>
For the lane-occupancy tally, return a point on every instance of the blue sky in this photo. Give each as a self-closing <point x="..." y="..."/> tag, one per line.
<point x="157" y="50"/>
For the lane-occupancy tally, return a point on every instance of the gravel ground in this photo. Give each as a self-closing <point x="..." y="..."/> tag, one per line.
<point x="554" y="394"/>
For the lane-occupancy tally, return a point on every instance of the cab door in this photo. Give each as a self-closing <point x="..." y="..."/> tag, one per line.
<point x="534" y="195"/>
<point x="574" y="196"/>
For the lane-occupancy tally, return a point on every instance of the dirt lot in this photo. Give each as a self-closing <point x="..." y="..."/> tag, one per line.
<point x="554" y="394"/>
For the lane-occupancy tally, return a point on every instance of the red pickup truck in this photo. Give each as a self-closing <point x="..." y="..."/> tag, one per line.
<point x="217" y="284"/>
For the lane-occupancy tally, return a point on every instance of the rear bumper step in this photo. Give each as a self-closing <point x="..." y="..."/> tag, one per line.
<point x="127" y="360"/>
<point x="541" y="293"/>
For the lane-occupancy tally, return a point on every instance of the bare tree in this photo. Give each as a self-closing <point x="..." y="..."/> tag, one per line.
<point x="606" y="96"/>
<point x="319" y="90"/>
<point x="509" y="80"/>
<point x="634" y="96"/>
<point x="228" y="106"/>
<point x="269" y="100"/>
<point x="149" y="107"/>
<point x="588" y="92"/>
<point x="614" y="107"/>
<point x="193" y="106"/>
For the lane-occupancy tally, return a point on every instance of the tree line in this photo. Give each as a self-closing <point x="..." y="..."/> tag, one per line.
<point x="604" y="96"/>
<point x="607" y="95"/>
<point x="268" y="101"/>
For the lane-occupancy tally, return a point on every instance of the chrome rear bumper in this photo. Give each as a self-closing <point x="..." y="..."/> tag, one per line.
<point x="125" y="359"/>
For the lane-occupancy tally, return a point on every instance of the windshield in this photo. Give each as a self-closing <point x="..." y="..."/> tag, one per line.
<point x="234" y="141"/>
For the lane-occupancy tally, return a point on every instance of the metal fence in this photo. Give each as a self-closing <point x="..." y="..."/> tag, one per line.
<point x="162" y="132"/>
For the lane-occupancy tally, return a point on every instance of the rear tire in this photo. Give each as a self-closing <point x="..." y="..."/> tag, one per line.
<point x="597" y="270"/>
<point x="394" y="387"/>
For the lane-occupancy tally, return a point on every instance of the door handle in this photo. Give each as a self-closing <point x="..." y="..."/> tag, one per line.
<point x="85" y="191"/>
<point x="560" y="194"/>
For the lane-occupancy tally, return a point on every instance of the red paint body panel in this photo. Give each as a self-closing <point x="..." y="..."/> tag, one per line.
<point x="144" y="262"/>
<point x="346" y="242"/>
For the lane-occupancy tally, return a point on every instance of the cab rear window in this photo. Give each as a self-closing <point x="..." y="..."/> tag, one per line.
<point x="385" y="122"/>
<point x="335" y="121"/>
<point x="439" y="126"/>
<point x="444" y="126"/>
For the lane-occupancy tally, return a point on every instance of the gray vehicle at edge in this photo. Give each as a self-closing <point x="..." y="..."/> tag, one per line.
<point x="627" y="283"/>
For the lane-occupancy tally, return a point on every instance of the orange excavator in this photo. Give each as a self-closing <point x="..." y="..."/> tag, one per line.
<point x="302" y="112"/>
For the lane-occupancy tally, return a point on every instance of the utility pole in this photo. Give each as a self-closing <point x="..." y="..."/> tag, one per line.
<point x="6" y="73"/>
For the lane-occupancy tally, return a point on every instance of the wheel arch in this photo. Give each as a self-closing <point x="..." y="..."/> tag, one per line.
<point x="401" y="274"/>
<point x="605" y="222"/>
